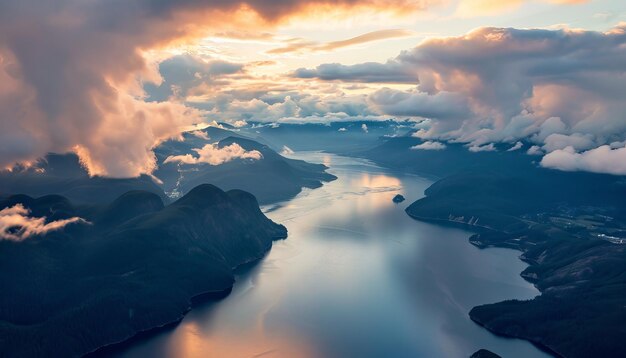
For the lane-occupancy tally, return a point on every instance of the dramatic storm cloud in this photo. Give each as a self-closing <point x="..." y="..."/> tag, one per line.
<point x="557" y="88"/>
<point x="17" y="225"/>
<point x="71" y="73"/>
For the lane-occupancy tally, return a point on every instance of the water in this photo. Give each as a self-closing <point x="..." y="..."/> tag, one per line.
<point x="356" y="278"/>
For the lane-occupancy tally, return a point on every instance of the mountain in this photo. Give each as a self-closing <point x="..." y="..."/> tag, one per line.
<point x="401" y="153"/>
<point x="335" y="137"/>
<point x="270" y="178"/>
<point x="135" y="265"/>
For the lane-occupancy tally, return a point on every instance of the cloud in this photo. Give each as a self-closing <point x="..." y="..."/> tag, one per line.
<point x="446" y="105"/>
<point x="240" y="123"/>
<point x="342" y="129"/>
<point x="553" y="88"/>
<point x="534" y="150"/>
<point x="561" y="141"/>
<point x="286" y="151"/>
<point x="429" y="145"/>
<point x="369" y="72"/>
<point x="17" y="225"/>
<point x="483" y="148"/>
<point x="300" y="45"/>
<point x="214" y="155"/>
<point x="289" y="106"/>
<point x="603" y="159"/>
<point x="72" y="72"/>
<point x="515" y="147"/>
<point x="364" y="128"/>
<point x="185" y="75"/>
<point x="201" y="134"/>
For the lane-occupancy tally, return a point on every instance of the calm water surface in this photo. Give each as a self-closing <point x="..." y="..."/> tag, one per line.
<point x="356" y="278"/>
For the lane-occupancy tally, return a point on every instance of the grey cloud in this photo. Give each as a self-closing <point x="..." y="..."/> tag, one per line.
<point x="443" y="105"/>
<point x="369" y="72"/>
<point x="555" y="88"/>
<point x="183" y="73"/>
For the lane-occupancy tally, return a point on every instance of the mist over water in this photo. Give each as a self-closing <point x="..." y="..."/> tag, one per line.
<point x="357" y="277"/>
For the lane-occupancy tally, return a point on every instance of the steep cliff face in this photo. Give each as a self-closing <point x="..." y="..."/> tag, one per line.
<point x="134" y="266"/>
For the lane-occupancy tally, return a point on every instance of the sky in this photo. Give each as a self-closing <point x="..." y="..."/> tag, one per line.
<point x="110" y="80"/>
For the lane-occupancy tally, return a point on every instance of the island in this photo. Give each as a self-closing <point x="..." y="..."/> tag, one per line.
<point x="483" y="353"/>
<point x="398" y="198"/>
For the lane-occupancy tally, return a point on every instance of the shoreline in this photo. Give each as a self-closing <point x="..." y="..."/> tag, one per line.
<point x="458" y="224"/>
<point x="194" y="301"/>
<point x="539" y="346"/>
<point x="127" y="342"/>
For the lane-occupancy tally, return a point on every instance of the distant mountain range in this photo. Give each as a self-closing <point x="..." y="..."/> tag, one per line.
<point x="336" y="137"/>
<point x="272" y="178"/>
<point x="125" y="267"/>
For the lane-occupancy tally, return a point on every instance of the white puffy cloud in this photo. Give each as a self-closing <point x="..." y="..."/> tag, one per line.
<point x="214" y="155"/>
<point x="515" y="147"/>
<point x="603" y="159"/>
<point x="534" y="150"/>
<point x="482" y="148"/>
<point x="201" y="134"/>
<point x="17" y="225"/>
<point x="429" y="145"/>
<point x="560" y="141"/>
<point x="288" y="106"/>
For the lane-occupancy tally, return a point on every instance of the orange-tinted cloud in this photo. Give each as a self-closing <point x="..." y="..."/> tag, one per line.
<point x="307" y="46"/>
<point x="16" y="224"/>
<point x="71" y="72"/>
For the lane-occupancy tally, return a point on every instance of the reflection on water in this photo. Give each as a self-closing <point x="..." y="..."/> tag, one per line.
<point x="356" y="278"/>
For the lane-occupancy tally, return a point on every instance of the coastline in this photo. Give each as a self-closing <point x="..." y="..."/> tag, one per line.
<point x="148" y="332"/>
<point x="195" y="300"/>
<point x="458" y="224"/>
<point x="539" y="345"/>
